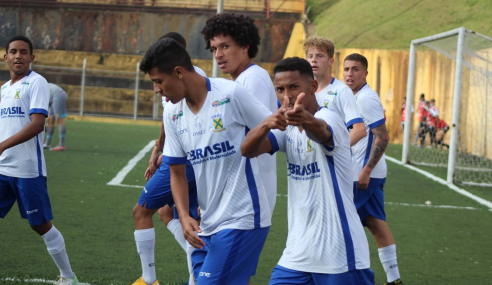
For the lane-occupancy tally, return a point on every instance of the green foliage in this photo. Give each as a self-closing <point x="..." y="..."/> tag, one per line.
<point x="392" y="24"/>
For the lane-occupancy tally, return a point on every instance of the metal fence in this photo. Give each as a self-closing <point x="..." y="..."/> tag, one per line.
<point x="95" y="92"/>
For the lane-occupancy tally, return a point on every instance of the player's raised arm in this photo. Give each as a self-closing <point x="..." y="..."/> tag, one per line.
<point x="260" y="140"/>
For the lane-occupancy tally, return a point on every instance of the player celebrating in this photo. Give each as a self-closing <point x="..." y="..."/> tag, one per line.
<point x="421" y="114"/>
<point x="157" y="195"/>
<point x="432" y="118"/>
<point x="233" y="39"/>
<point x="24" y="107"/>
<point x="206" y="125"/>
<point x="58" y="111"/>
<point x="369" y="153"/>
<point x="321" y="207"/>
<point x="333" y="93"/>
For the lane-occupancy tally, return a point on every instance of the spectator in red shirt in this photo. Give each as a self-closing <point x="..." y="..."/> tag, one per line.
<point x="421" y="114"/>
<point x="442" y="129"/>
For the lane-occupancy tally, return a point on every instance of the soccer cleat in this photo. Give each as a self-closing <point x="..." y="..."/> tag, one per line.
<point x="396" y="282"/>
<point x="68" y="281"/>
<point x="46" y="146"/>
<point x="58" y="148"/>
<point x="140" y="281"/>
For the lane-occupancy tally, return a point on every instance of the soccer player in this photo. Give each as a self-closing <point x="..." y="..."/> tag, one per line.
<point x="369" y="153"/>
<point x="57" y="111"/>
<point x="422" y="113"/>
<point x="432" y="118"/>
<point x="157" y="196"/>
<point x="442" y="129"/>
<point x="206" y="126"/>
<point x="332" y="93"/>
<point x="24" y="107"/>
<point x="321" y="210"/>
<point x="234" y="39"/>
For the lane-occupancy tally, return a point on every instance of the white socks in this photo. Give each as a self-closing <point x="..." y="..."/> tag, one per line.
<point x="56" y="247"/>
<point x="145" y="240"/>
<point x="175" y="228"/>
<point x="387" y="255"/>
<point x="189" y="250"/>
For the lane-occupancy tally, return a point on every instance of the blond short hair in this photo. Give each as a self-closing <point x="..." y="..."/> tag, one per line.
<point x="321" y="43"/>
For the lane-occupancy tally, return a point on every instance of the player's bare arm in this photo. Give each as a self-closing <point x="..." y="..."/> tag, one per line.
<point x="35" y="127"/>
<point x="179" y="188"/>
<point x="316" y="129"/>
<point x="357" y="133"/>
<point x="381" y="140"/>
<point x="256" y="141"/>
<point x="155" y="157"/>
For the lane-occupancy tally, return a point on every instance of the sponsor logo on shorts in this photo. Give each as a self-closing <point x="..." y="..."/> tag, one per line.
<point x="205" y="274"/>
<point x="145" y="190"/>
<point x="31" y="212"/>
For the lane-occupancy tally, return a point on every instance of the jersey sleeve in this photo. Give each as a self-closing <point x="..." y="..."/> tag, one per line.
<point x="260" y="89"/>
<point x="200" y="71"/>
<point x="173" y="150"/>
<point x="335" y="124"/>
<point x="434" y="112"/>
<point x="372" y="110"/>
<point x="277" y="139"/>
<point x="39" y="92"/>
<point x="250" y="112"/>
<point x="349" y="107"/>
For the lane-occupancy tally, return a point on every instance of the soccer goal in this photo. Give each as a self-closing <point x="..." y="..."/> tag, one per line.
<point x="455" y="69"/>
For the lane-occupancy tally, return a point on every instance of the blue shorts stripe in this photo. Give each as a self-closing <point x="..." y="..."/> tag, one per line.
<point x="349" y="244"/>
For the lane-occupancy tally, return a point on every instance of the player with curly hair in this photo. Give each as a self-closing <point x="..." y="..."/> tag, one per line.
<point x="234" y="39"/>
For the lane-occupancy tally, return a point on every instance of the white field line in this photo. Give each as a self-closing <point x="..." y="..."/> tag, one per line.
<point x="36" y="280"/>
<point x="443" y="182"/>
<point x="116" y="181"/>
<point x="422" y="205"/>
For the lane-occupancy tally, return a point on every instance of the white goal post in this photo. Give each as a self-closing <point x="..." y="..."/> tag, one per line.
<point x="459" y="46"/>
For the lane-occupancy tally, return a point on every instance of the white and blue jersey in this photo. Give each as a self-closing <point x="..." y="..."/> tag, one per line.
<point x="230" y="192"/>
<point x="372" y="113"/>
<point x="30" y="95"/>
<point x="258" y="82"/>
<point x="321" y="210"/>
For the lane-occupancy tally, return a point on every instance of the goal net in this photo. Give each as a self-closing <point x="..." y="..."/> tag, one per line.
<point x="451" y="128"/>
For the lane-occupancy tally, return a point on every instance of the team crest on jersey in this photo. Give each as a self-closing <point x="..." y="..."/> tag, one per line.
<point x="334" y="93"/>
<point x="326" y="102"/>
<point x="218" y="123"/>
<point x="309" y="146"/>
<point x="176" y="116"/>
<point x="17" y="94"/>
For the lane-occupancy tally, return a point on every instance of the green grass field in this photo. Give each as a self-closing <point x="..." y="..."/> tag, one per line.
<point x="392" y="24"/>
<point x="435" y="245"/>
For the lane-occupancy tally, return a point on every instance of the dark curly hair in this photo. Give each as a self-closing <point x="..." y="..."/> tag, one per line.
<point x="241" y="28"/>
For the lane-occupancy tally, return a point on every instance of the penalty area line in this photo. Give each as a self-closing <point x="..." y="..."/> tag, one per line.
<point x="453" y="187"/>
<point x="116" y="181"/>
<point x="35" y="280"/>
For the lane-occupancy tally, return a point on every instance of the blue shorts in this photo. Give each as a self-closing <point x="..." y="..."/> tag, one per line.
<point x="370" y="201"/>
<point x="229" y="257"/>
<point x="157" y="193"/>
<point x="31" y="195"/>
<point x="284" y="276"/>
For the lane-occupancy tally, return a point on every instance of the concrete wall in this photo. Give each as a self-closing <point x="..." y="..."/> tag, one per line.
<point x="124" y="32"/>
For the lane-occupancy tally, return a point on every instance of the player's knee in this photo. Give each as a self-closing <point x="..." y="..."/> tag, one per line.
<point x="165" y="215"/>
<point x="42" y="229"/>
<point x="139" y="212"/>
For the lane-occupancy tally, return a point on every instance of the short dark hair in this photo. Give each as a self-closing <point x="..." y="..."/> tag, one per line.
<point x="19" y="38"/>
<point x="422" y="96"/>
<point x="175" y="36"/>
<point x="166" y="54"/>
<point x="359" y="58"/>
<point x="294" y="64"/>
<point x="241" y="28"/>
<point x="433" y="100"/>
